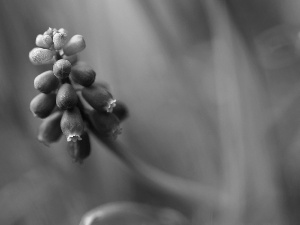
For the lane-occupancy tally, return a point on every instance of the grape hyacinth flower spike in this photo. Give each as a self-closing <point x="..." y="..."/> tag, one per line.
<point x="65" y="108"/>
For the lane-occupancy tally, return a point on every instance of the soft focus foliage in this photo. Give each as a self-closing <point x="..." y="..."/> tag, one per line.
<point x="212" y="91"/>
<point x="128" y="213"/>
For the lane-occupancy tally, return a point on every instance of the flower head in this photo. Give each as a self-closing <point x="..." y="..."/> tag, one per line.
<point x="61" y="102"/>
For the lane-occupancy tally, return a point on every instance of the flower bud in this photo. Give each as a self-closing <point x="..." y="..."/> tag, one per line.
<point x="49" y="31"/>
<point x="121" y="111"/>
<point x="42" y="105"/>
<point x="72" y="58"/>
<point x="46" y="82"/>
<point x="47" y="39"/>
<point x="62" y="68"/>
<point x="59" y="40"/>
<point x="106" y="124"/>
<point x="75" y="45"/>
<point x="83" y="74"/>
<point x="72" y="124"/>
<point x="54" y="31"/>
<point x="80" y="149"/>
<point x="43" y="41"/>
<point x="63" y="30"/>
<point x="99" y="98"/>
<point x="49" y="130"/>
<point x="66" y="97"/>
<point x="39" y="41"/>
<point x="39" y="56"/>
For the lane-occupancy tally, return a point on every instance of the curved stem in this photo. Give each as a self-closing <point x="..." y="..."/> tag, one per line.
<point x="181" y="188"/>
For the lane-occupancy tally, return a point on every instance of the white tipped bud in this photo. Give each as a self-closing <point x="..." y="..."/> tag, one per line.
<point x="99" y="98"/>
<point x="72" y="124"/>
<point x="81" y="149"/>
<point x="110" y="105"/>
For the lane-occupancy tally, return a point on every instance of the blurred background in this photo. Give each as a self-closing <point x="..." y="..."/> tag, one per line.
<point x="212" y="87"/>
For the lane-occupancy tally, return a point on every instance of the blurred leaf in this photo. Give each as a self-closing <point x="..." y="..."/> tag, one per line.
<point x="41" y="196"/>
<point x="279" y="46"/>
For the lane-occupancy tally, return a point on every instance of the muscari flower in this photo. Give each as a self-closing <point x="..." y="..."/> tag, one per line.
<point x="99" y="98"/>
<point x="66" y="97"/>
<point x="72" y="124"/>
<point x="46" y="82"/>
<point x="49" y="130"/>
<point x="43" y="104"/>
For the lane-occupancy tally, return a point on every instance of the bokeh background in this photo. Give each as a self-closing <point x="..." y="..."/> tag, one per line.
<point x="212" y="87"/>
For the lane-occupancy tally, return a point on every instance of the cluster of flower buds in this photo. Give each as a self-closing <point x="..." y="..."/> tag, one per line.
<point x="69" y="101"/>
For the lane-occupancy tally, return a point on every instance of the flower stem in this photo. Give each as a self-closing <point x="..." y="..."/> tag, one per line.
<point x="190" y="191"/>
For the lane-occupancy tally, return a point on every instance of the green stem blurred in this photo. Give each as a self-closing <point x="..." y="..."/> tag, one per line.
<point x="191" y="191"/>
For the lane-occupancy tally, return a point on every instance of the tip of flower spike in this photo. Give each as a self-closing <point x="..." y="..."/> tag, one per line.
<point x="63" y="30"/>
<point x="49" y="31"/>
<point x="73" y="138"/>
<point x="110" y="105"/>
<point x="59" y="40"/>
